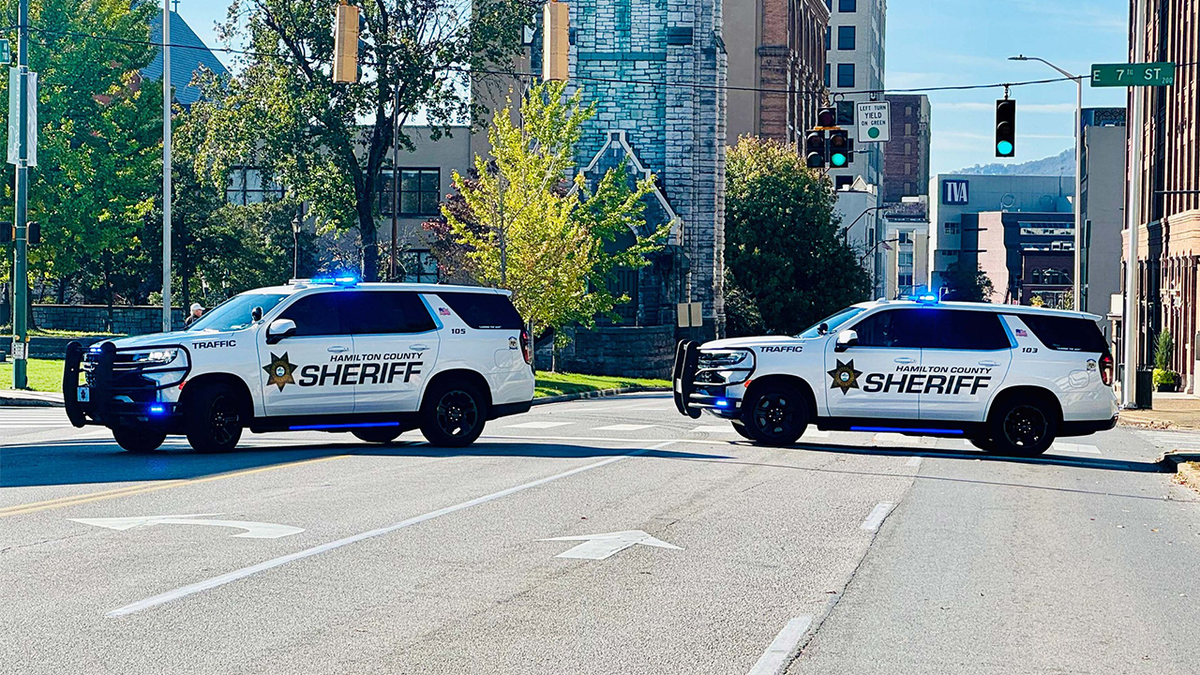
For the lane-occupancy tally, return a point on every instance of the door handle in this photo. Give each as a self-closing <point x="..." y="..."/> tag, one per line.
<point x="417" y="348"/>
<point x="905" y="359"/>
<point x="338" y="349"/>
<point x="989" y="363"/>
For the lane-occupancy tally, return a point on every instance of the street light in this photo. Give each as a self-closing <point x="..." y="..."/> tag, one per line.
<point x="296" y="246"/>
<point x="1077" y="287"/>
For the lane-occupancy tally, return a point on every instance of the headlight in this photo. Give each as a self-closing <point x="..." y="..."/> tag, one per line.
<point x="156" y="357"/>
<point x="722" y="359"/>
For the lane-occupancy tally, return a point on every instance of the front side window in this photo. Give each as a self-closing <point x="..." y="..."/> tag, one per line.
<point x="419" y="192"/>
<point x="319" y="314"/>
<point x="895" y="328"/>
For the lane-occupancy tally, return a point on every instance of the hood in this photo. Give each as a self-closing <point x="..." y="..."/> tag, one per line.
<point x="760" y="341"/>
<point x="179" y="337"/>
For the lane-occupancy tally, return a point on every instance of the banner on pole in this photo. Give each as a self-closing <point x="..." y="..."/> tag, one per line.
<point x="14" y="117"/>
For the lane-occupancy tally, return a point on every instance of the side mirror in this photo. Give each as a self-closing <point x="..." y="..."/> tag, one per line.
<point x="845" y="340"/>
<point x="280" y="329"/>
<point x="256" y="313"/>
<point x="823" y="329"/>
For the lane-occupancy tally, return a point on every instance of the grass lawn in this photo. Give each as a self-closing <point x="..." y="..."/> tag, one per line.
<point x="44" y="374"/>
<point x="553" y="384"/>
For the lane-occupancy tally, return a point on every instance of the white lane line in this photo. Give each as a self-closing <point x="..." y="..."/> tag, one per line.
<point x="815" y="433"/>
<point x="725" y="429"/>
<point x="776" y="656"/>
<point x="881" y="511"/>
<point x="538" y="425"/>
<point x="1076" y="447"/>
<point x="914" y="461"/>
<point x="625" y="427"/>
<point x="887" y="438"/>
<point x="235" y="575"/>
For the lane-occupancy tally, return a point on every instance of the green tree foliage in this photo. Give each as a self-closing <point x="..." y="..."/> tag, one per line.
<point x="526" y="226"/>
<point x="967" y="285"/>
<point x="783" y="252"/>
<point x="283" y="112"/>
<point x="95" y="186"/>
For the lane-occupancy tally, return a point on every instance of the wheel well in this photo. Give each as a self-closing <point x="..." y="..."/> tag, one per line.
<point x="234" y="382"/>
<point x="785" y="380"/>
<point x="1028" y="393"/>
<point x="462" y="374"/>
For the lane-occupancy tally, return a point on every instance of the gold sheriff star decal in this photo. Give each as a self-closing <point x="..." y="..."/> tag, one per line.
<point x="845" y="377"/>
<point x="279" y="371"/>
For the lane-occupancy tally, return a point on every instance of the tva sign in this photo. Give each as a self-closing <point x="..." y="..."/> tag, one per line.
<point x="955" y="191"/>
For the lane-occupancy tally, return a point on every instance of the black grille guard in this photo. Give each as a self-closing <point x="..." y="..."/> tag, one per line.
<point x="104" y="378"/>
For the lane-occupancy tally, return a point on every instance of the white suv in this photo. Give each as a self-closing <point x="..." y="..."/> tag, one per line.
<point x="1008" y="378"/>
<point x="372" y="359"/>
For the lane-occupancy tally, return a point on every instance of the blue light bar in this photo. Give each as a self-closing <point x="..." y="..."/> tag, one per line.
<point x="909" y="430"/>
<point x="723" y="403"/>
<point x="157" y="409"/>
<point x="360" y="425"/>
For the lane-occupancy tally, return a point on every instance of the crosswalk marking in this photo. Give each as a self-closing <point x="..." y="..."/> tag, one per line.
<point x="815" y="433"/>
<point x="537" y="425"/>
<point x="888" y="438"/>
<point x="624" y="427"/>
<point x="1075" y="447"/>
<point x="1172" y="440"/>
<point x="723" y="429"/>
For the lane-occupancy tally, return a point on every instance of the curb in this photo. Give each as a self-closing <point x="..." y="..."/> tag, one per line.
<point x="29" y="402"/>
<point x="599" y="393"/>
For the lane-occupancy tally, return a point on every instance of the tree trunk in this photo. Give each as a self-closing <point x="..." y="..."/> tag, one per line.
<point x="367" y="233"/>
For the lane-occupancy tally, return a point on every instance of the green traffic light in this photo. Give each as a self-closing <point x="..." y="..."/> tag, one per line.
<point x="837" y="159"/>
<point x="1004" y="148"/>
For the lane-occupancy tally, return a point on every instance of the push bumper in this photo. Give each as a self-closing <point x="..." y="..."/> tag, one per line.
<point x="691" y="392"/>
<point x="117" y="391"/>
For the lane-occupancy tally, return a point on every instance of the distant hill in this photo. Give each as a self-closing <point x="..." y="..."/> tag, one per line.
<point x="1062" y="164"/>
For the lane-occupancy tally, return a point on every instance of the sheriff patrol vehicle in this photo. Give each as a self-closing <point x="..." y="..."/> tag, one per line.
<point x="373" y="359"/>
<point x="1008" y="378"/>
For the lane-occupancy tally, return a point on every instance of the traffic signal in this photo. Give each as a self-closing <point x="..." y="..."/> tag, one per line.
<point x="33" y="232"/>
<point x="345" y="44"/>
<point x="1006" y="127"/>
<point x="556" y="20"/>
<point x="839" y="148"/>
<point x="814" y="149"/>
<point x="827" y="117"/>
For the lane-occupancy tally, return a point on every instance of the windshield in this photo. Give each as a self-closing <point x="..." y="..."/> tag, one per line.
<point x="832" y="322"/>
<point x="235" y="313"/>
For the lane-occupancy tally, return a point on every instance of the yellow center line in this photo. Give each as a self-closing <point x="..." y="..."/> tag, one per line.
<point x="21" y="509"/>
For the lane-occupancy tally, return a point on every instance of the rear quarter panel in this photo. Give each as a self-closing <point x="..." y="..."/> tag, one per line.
<point x="1074" y="377"/>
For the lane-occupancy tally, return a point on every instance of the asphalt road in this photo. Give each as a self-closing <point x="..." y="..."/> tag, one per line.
<point x="850" y="553"/>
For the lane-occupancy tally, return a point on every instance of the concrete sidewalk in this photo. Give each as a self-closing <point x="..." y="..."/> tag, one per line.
<point x="1169" y="411"/>
<point x="17" y="397"/>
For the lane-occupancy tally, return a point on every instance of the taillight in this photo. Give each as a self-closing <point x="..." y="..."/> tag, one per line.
<point x="1106" y="369"/>
<point x="526" y="348"/>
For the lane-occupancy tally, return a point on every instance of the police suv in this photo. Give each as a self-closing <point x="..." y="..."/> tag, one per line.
<point x="373" y="359"/>
<point x="1008" y="378"/>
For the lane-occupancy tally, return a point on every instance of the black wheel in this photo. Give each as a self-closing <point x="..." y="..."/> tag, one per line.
<point x="775" y="415"/>
<point x="984" y="444"/>
<point x="138" y="440"/>
<point x="453" y="414"/>
<point x="213" y="417"/>
<point x="741" y="431"/>
<point x="1022" y="428"/>
<point x="377" y="434"/>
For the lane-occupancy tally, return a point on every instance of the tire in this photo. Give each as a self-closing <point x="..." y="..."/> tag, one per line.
<point x="213" y="418"/>
<point x="741" y="431"/>
<point x="138" y="440"/>
<point x="453" y="414"/>
<point x="984" y="444"/>
<point x="378" y="434"/>
<point x="1022" y="427"/>
<point x="775" y="415"/>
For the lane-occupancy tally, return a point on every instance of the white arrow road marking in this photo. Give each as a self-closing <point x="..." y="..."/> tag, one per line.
<point x="252" y="530"/>
<point x="601" y="546"/>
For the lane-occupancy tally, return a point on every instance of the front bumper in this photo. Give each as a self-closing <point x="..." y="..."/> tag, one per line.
<point x="694" y="392"/>
<point x="116" y="391"/>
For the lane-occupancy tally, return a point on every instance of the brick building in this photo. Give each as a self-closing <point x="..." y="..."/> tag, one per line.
<point x="1168" y="255"/>
<point x="775" y="45"/>
<point x="906" y="155"/>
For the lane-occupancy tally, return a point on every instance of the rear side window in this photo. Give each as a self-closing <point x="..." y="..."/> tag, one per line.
<point x="1067" y="334"/>
<point x="484" y="310"/>
<point x="962" y="329"/>
<point x="384" y="312"/>
<point x="318" y="314"/>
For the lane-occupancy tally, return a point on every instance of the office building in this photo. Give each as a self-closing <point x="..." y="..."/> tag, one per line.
<point x="906" y="155"/>
<point x="1029" y="256"/>
<point x="906" y="246"/>
<point x="854" y="68"/>
<point x="1102" y="205"/>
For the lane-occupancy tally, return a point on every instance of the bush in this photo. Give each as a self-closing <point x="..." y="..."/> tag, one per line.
<point x="1164" y="376"/>
<point x="1164" y="349"/>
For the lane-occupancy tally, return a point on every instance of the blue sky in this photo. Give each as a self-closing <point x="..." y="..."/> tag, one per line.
<point x="952" y="42"/>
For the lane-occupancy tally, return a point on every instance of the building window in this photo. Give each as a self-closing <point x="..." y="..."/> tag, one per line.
<point x="845" y="75"/>
<point x="908" y="148"/>
<point x="847" y="5"/>
<point x="908" y="128"/>
<point x="842" y="181"/>
<point x="248" y="185"/>
<point x="828" y="37"/>
<point x="845" y="37"/>
<point x="950" y="228"/>
<point x="906" y="259"/>
<point x="1037" y="276"/>
<point x="418" y="266"/>
<point x="420" y="192"/>
<point x="827" y="75"/>
<point x="904" y="237"/>
<point x="905" y="282"/>
<point x="909" y="188"/>
<point x="908" y="111"/>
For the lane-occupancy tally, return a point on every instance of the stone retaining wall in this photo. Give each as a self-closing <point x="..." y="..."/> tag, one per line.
<point x="633" y="351"/>
<point x="127" y="319"/>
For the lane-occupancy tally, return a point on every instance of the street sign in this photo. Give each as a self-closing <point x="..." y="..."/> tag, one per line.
<point x="601" y="546"/>
<point x="252" y="530"/>
<point x="874" y="121"/>
<point x="5" y="52"/>
<point x="1133" y="74"/>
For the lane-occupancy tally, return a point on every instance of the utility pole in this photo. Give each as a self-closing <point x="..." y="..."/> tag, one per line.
<point x="395" y="180"/>
<point x="166" y="244"/>
<point x="1133" y="213"/>
<point x="21" y="208"/>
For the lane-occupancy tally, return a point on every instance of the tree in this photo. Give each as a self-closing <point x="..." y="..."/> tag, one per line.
<point x="967" y="285"/>
<point x="782" y="246"/>
<point x="327" y="141"/>
<point x="524" y="225"/>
